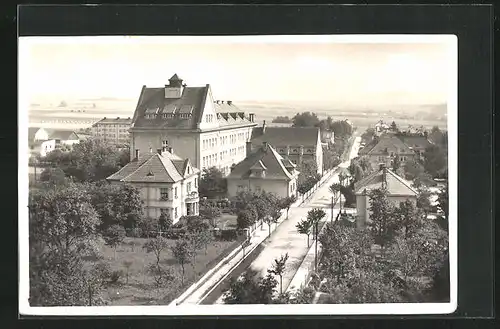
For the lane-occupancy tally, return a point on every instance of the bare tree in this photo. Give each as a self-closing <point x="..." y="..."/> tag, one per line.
<point x="278" y="269"/>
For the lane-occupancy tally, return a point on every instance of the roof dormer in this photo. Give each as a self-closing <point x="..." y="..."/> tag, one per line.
<point x="174" y="88"/>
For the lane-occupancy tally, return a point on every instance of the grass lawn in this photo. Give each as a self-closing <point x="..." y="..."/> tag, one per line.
<point x="140" y="289"/>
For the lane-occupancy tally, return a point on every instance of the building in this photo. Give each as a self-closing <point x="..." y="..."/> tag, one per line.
<point x="327" y="137"/>
<point x="167" y="183"/>
<point x="263" y="169"/>
<point x="56" y="139"/>
<point x="417" y="143"/>
<point x="385" y="149"/>
<point x="381" y="127"/>
<point x="210" y="133"/>
<point x="295" y="143"/>
<point x="113" y="130"/>
<point x="398" y="189"/>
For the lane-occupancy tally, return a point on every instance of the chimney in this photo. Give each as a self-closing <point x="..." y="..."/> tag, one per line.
<point x="251" y="117"/>
<point x="117" y="118"/>
<point x="222" y="102"/>
<point x="217" y="101"/>
<point x="248" y="148"/>
<point x="264" y="126"/>
<point x="136" y="154"/>
<point x="229" y="102"/>
<point x="264" y="146"/>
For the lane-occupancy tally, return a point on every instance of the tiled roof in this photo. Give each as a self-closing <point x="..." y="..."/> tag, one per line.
<point x="267" y="159"/>
<point x="286" y="136"/>
<point x="396" y="185"/>
<point x="191" y="101"/>
<point x="389" y="142"/>
<point x="415" y="141"/>
<point x="152" y="168"/>
<point x="63" y="135"/>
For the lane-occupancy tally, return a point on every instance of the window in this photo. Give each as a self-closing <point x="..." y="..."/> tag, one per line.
<point x="240" y="188"/>
<point x="164" y="194"/>
<point x="175" y="194"/>
<point x="188" y="186"/>
<point x="175" y="212"/>
<point x="164" y="143"/>
<point x="164" y="211"/>
<point x="196" y="182"/>
<point x="258" y="189"/>
<point x="403" y="158"/>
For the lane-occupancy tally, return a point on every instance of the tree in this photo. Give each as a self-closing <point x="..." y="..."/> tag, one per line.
<point x="113" y="236"/>
<point x="356" y="171"/>
<point x="278" y="268"/>
<point x="347" y="193"/>
<point x="161" y="276"/>
<point x="182" y="251"/>
<point x="127" y="264"/>
<point x="212" y="183"/>
<point x="165" y="222"/>
<point x="272" y="217"/>
<point x="434" y="160"/>
<point x="54" y="177"/>
<point x="116" y="204"/>
<point x="383" y="221"/>
<point x="156" y="246"/>
<point x="413" y="169"/>
<point x="315" y="216"/>
<point x="195" y="224"/>
<point x="305" y="119"/>
<point x="245" y="218"/>
<point x="408" y="218"/>
<point x="62" y="218"/>
<point x="368" y="135"/>
<point x="287" y="202"/>
<point x="304" y="227"/>
<point x="92" y="160"/>
<point x="209" y="212"/>
<point x="423" y="201"/>
<point x="248" y="290"/>
<point x="282" y="119"/>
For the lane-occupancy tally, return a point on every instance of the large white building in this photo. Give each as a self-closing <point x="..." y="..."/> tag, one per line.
<point x="113" y="130"/>
<point x="209" y="133"/>
<point x="167" y="183"/>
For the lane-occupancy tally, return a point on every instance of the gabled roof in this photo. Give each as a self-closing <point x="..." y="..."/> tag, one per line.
<point x="286" y="136"/>
<point x="267" y="159"/>
<point x="152" y="168"/>
<point x="415" y="141"/>
<point x="396" y="185"/>
<point x="387" y="142"/>
<point x="64" y="135"/>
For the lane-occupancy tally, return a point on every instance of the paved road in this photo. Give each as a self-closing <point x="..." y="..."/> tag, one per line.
<point x="286" y="239"/>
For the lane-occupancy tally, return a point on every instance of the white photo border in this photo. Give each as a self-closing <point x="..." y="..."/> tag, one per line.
<point x="24" y="44"/>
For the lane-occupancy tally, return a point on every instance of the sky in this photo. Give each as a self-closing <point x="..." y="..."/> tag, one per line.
<point x="275" y="69"/>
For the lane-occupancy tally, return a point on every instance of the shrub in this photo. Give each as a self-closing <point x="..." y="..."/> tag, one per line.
<point x="228" y="235"/>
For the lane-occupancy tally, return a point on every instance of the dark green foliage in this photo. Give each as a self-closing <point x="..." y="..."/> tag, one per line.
<point x="282" y="119"/>
<point x="305" y="119"/>
<point x="435" y="160"/>
<point x="212" y="183"/>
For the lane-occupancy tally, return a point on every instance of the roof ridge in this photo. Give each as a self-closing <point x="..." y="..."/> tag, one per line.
<point x="280" y="163"/>
<point x="138" y="167"/>
<point x="161" y="159"/>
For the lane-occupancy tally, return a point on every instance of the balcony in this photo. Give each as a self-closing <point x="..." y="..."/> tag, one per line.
<point x="192" y="197"/>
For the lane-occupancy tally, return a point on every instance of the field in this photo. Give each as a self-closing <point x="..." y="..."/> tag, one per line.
<point x="140" y="288"/>
<point x="81" y="113"/>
